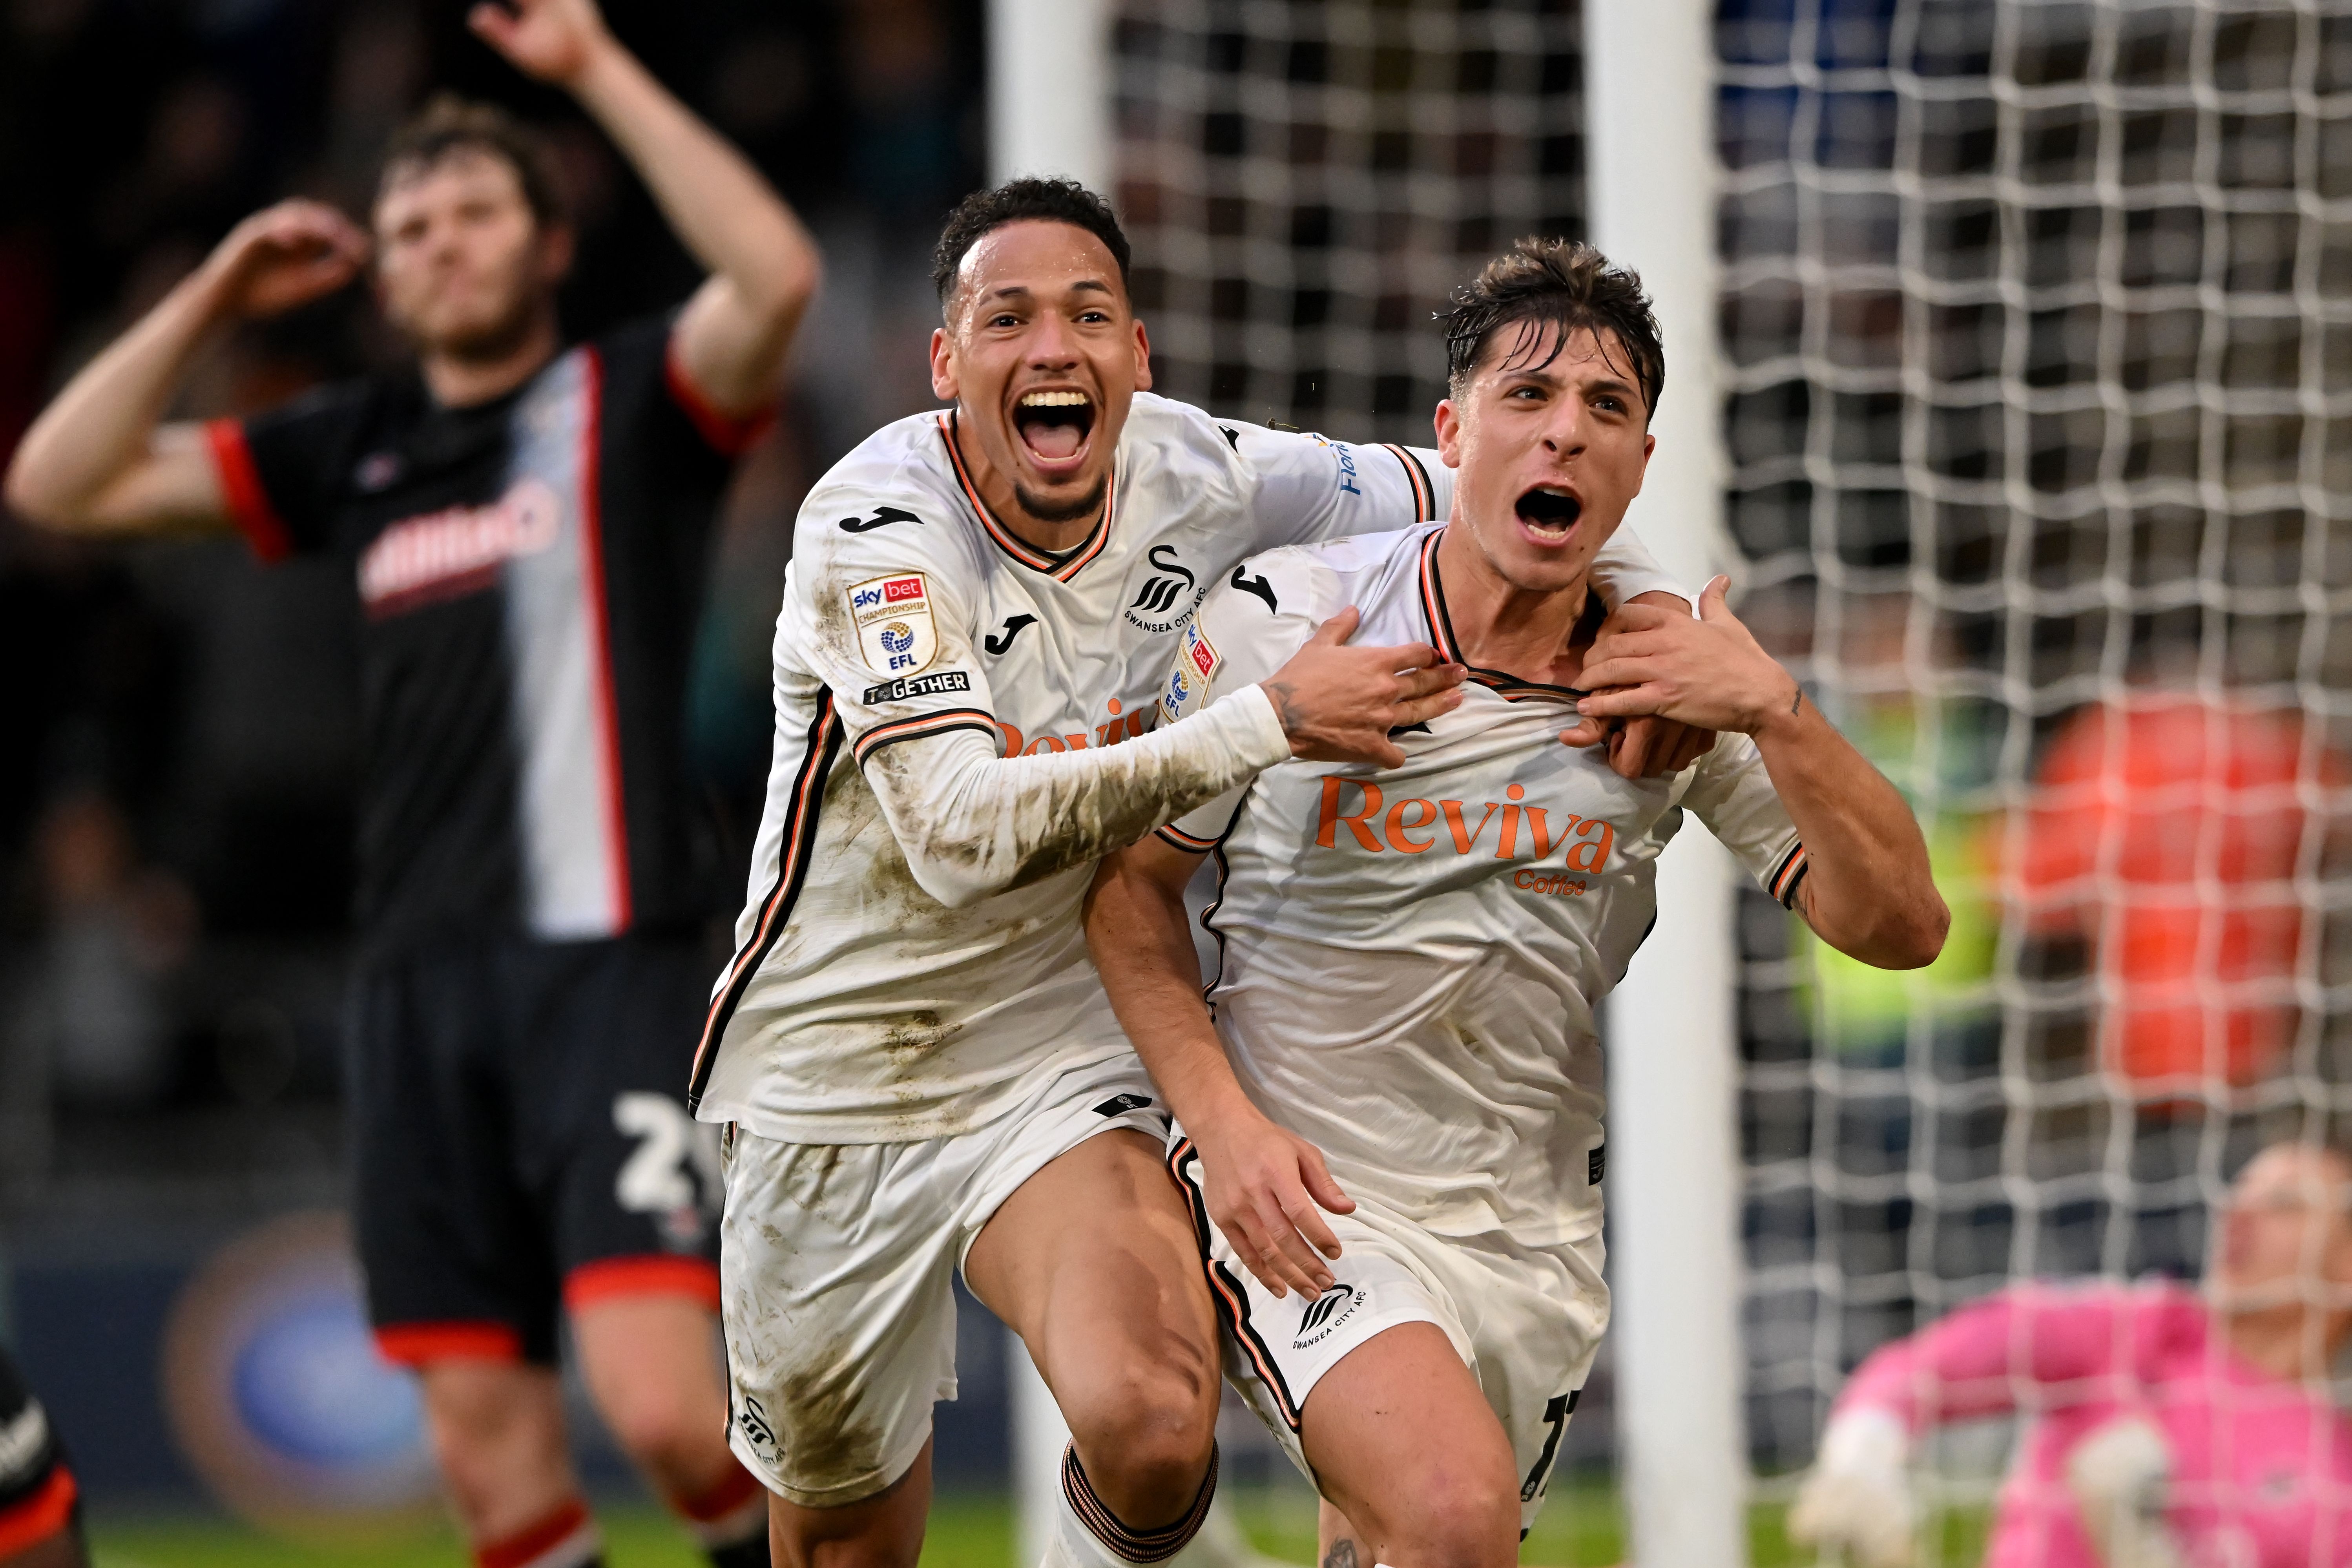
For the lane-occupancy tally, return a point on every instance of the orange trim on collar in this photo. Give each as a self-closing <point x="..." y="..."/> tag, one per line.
<point x="1508" y="686"/>
<point x="1060" y="568"/>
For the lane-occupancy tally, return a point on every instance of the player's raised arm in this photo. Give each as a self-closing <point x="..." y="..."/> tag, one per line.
<point x="97" y="460"/>
<point x="733" y="334"/>
<point x="1866" y="889"/>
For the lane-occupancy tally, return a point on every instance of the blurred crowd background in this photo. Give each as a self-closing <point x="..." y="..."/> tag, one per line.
<point x="174" y="789"/>
<point x="177" y="734"/>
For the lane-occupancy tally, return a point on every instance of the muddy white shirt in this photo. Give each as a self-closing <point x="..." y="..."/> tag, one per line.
<point x="962" y="730"/>
<point x="1409" y="960"/>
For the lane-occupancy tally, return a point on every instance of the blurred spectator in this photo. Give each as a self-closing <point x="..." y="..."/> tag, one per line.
<point x="115" y="931"/>
<point x="1893" y="1038"/>
<point x="2165" y="836"/>
<point x="1939" y="752"/>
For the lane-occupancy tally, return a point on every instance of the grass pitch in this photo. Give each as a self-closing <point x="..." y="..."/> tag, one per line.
<point x="1581" y="1527"/>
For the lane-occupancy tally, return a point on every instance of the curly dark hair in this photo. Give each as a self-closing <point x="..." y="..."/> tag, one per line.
<point x="1019" y="201"/>
<point x="449" y="123"/>
<point x="1561" y="283"/>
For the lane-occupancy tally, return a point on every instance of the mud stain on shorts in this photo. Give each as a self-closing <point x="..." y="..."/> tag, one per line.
<point x="827" y="1443"/>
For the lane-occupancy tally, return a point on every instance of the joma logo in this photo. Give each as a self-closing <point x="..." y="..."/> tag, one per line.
<point x="1381" y="827"/>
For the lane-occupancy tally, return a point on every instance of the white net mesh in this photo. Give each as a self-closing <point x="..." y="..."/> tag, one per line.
<point x="1305" y="179"/>
<point x="2038" y="321"/>
<point x="2037" y="327"/>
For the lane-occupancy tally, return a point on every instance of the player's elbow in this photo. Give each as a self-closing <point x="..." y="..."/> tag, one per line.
<point x="1913" y="935"/>
<point x="30" y="498"/>
<point x="776" y="294"/>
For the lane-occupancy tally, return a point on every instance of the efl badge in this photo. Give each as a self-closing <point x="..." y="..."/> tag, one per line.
<point x="1172" y="701"/>
<point x="894" y="623"/>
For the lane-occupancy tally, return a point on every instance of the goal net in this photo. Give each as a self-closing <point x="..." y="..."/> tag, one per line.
<point x="2036" y="325"/>
<point x="2037" y="322"/>
<point x="1304" y="180"/>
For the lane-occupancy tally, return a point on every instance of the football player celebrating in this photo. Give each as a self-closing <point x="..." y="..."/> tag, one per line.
<point x="523" y="521"/>
<point x="910" y="1051"/>
<point x="1403" y="1029"/>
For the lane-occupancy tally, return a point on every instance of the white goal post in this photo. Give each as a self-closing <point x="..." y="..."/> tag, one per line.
<point x="1674" y="1041"/>
<point x="1049" y="112"/>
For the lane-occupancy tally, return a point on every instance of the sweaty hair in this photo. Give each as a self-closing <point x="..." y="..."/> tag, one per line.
<point x="1563" y="284"/>
<point x="449" y="123"/>
<point x="1022" y="201"/>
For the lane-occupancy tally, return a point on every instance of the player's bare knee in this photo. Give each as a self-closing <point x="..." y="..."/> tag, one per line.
<point x="477" y="1411"/>
<point x="855" y="1536"/>
<point x="1454" y="1518"/>
<point x="1144" y="1440"/>
<point x="664" y="1440"/>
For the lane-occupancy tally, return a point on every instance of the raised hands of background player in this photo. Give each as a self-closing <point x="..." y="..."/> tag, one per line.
<point x="1709" y="672"/>
<point x="1263" y="1185"/>
<point x="1339" y="704"/>
<point x="552" y="40"/>
<point x="285" y="255"/>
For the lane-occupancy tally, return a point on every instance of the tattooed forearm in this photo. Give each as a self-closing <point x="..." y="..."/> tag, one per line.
<point x="1284" y="698"/>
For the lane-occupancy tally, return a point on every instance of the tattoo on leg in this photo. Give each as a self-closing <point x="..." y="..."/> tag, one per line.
<point x="1800" y="702"/>
<point x="1341" y="1555"/>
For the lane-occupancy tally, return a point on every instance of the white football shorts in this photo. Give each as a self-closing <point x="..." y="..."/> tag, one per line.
<point x="1525" y="1319"/>
<point x="837" y="1266"/>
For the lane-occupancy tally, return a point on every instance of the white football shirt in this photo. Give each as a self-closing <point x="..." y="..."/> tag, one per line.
<point x="910" y="957"/>
<point x="1409" y="960"/>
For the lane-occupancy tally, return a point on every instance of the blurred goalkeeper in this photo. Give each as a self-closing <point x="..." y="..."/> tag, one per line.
<point x="524" y="521"/>
<point x="2166" y="1430"/>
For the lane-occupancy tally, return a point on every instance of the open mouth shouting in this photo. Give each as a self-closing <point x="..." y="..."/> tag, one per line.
<point x="1056" y="426"/>
<point x="1548" y="514"/>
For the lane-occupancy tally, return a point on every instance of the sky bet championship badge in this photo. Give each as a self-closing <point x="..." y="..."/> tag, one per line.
<point x="894" y="623"/>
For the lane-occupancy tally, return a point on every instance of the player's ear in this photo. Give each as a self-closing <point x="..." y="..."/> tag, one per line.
<point x="943" y="376"/>
<point x="1142" y="357"/>
<point x="557" y="245"/>
<point x="1448" y="420"/>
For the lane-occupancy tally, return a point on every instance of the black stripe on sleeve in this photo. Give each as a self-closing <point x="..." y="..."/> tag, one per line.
<point x="823" y="745"/>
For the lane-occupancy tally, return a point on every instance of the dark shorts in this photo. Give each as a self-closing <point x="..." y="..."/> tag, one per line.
<point x="522" y="1142"/>
<point x="38" y="1499"/>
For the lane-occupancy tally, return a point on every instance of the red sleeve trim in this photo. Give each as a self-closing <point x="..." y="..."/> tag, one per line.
<point x="651" y="1274"/>
<point x="248" y="503"/>
<point x="40" y="1516"/>
<point x="415" y="1344"/>
<point x="728" y="434"/>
